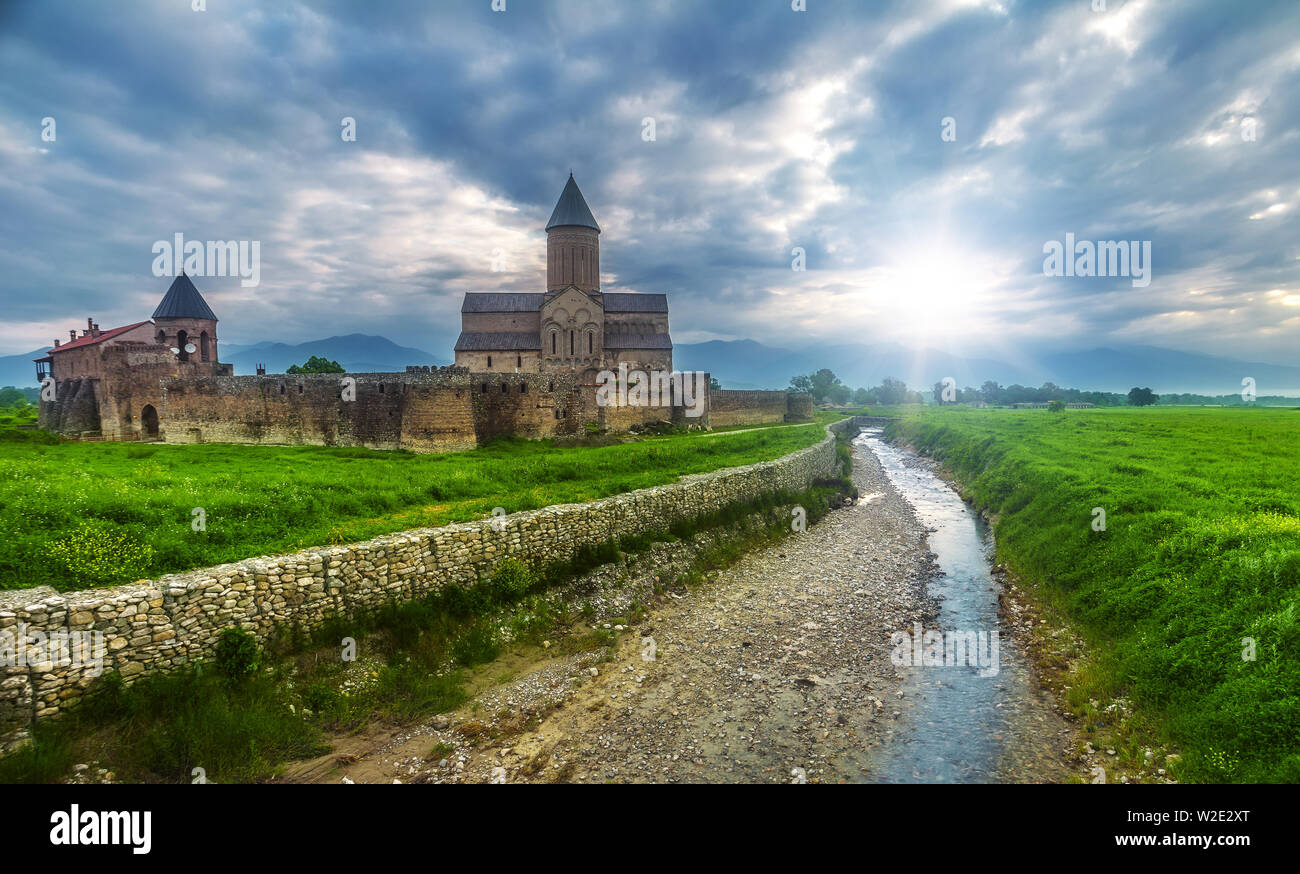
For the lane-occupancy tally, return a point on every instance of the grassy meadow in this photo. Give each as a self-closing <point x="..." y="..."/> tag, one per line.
<point x="1201" y="550"/>
<point x="74" y="515"/>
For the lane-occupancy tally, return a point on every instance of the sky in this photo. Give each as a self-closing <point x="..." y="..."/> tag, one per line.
<point x="915" y="159"/>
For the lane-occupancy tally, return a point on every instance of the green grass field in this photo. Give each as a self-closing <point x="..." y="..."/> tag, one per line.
<point x="74" y="515"/>
<point x="1201" y="550"/>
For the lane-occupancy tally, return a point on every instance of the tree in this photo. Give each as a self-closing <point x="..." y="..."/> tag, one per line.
<point x="892" y="391"/>
<point x="714" y="385"/>
<point x="862" y="397"/>
<point x="1056" y="406"/>
<point x="819" y="384"/>
<point x="12" y="397"/>
<point x="840" y="393"/>
<point x="1142" y="397"/>
<point x="317" y="365"/>
<point x="992" y="392"/>
<point x="823" y="381"/>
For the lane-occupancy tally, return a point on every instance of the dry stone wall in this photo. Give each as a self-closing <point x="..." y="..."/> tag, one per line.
<point x="163" y="624"/>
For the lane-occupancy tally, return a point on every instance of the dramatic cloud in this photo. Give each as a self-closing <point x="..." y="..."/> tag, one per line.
<point x="774" y="130"/>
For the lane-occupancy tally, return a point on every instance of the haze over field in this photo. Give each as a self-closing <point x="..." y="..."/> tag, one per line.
<point x="823" y="130"/>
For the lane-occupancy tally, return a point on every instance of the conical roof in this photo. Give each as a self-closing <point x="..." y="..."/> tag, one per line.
<point x="572" y="209"/>
<point x="183" y="301"/>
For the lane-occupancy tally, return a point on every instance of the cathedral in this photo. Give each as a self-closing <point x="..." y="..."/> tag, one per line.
<point x="572" y="326"/>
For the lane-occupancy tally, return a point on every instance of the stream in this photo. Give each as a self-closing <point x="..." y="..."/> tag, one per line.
<point x="982" y="723"/>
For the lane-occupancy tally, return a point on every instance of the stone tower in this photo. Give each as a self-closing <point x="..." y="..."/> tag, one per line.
<point x="572" y="243"/>
<point x="184" y="318"/>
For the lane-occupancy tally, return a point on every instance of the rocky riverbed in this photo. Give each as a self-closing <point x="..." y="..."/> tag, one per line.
<point x="777" y="669"/>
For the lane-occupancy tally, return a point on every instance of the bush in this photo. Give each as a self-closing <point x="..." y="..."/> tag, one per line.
<point x="512" y="579"/>
<point x="238" y="656"/>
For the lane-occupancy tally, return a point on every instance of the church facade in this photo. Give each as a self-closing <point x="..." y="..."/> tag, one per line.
<point x="572" y="326"/>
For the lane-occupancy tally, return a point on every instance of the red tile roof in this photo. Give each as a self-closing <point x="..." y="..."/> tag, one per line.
<point x="88" y="340"/>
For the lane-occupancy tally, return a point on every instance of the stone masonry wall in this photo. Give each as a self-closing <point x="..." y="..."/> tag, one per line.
<point x="728" y="407"/>
<point x="159" y="625"/>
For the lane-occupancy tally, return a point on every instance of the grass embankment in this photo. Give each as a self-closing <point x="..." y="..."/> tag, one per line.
<point x="1200" y="552"/>
<point x="242" y="715"/>
<point x="74" y="515"/>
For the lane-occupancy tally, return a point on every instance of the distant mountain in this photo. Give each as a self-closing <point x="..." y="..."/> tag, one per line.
<point x="358" y="353"/>
<point x="1164" y="370"/>
<point x="746" y="364"/>
<point x="20" y="370"/>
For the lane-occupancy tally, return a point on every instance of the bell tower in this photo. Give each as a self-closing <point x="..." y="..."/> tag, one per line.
<point x="572" y="243"/>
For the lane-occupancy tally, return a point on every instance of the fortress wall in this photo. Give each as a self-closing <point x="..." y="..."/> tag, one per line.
<point x="75" y="409"/>
<point x="159" y="625"/>
<point x="730" y="407"/>
<point x="422" y="412"/>
<point x="799" y="406"/>
<point x="133" y="378"/>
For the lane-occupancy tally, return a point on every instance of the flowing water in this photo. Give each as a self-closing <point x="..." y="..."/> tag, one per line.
<point x="961" y="717"/>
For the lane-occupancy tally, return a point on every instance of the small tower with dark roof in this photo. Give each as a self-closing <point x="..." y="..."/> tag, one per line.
<point x="572" y="243"/>
<point x="184" y="318"/>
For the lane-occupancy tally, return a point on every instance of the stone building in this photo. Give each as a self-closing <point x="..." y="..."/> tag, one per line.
<point x="526" y="365"/>
<point x="572" y="326"/>
<point x="108" y="383"/>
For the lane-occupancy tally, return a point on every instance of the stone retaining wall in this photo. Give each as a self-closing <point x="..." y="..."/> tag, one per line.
<point x="162" y="624"/>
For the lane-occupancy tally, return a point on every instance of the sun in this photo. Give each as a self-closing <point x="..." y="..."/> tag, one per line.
<point x="936" y="289"/>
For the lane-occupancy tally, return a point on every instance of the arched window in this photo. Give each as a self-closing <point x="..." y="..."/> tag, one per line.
<point x="552" y="342"/>
<point x="590" y="341"/>
<point x="203" y="346"/>
<point x="182" y="339"/>
<point x="519" y="361"/>
<point x="489" y="362"/>
<point x="570" y="343"/>
<point x="162" y="337"/>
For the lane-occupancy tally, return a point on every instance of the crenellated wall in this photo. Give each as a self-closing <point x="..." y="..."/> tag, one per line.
<point x="423" y="412"/>
<point x="159" y="625"/>
<point x="146" y="397"/>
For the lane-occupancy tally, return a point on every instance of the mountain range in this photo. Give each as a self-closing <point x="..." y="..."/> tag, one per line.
<point x="747" y="364"/>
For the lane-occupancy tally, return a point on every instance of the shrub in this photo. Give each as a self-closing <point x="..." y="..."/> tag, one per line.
<point x="238" y="655"/>
<point x="512" y="579"/>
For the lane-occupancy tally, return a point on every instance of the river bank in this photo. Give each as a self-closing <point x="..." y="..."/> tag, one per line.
<point x="1105" y="741"/>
